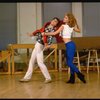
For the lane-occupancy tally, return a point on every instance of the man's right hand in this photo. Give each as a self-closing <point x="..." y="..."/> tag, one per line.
<point x="29" y="34"/>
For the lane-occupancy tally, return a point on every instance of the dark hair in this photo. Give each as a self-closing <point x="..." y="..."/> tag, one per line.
<point x="57" y="19"/>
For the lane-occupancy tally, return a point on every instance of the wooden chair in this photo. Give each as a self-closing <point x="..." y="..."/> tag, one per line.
<point x="5" y="56"/>
<point x="92" y="58"/>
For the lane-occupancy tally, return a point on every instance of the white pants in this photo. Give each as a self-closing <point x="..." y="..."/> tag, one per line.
<point x="37" y="54"/>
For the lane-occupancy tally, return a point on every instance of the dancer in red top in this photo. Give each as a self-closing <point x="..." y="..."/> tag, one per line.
<point x="37" y="53"/>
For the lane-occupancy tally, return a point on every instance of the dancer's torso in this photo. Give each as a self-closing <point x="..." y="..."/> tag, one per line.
<point x="66" y="33"/>
<point x="49" y="38"/>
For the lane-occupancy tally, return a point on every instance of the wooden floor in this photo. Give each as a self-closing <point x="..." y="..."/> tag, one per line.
<point x="10" y="87"/>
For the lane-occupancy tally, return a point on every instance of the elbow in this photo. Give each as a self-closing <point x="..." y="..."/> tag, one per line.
<point x="78" y="31"/>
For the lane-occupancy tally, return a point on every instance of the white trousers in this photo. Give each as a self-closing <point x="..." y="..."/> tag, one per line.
<point x="37" y="55"/>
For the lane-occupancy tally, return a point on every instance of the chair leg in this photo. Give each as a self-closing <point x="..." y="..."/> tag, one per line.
<point x="88" y="62"/>
<point x="97" y="62"/>
<point x="95" y="56"/>
<point x="78" y="61"/>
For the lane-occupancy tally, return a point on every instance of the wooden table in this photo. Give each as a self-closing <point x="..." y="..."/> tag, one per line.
<point x="12" y="47"/>
<point x="81" y="43"/>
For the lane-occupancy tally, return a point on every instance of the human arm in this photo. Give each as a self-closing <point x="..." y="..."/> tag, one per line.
<point x="76" y="28"/>
<point x="54" y="33"/>
<point x="30" y="34"/>
<point x="38" y="30"/>
<point x="33" y="33"/>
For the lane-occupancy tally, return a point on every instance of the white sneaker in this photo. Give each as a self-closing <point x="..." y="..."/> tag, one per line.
<point x="24" y="80"/>
<point x="48" y="81"/>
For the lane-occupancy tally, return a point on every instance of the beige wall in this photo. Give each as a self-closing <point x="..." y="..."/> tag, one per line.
<point x="77" y="11"/>
<point x="28" y="20"/>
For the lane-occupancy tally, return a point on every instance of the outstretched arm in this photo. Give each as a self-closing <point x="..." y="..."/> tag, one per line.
<point x="33" y="33"/>
<point x="38" y="30"/>
<point x="29" y="34"/>
<point x="54" y="33"/>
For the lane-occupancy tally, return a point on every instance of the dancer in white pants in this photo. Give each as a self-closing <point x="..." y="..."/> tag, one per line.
<point x="37" y="54"/>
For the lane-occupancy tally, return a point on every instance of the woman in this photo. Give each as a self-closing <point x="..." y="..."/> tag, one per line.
<point x="37" y="53"/>
<point x="70" y="25"/>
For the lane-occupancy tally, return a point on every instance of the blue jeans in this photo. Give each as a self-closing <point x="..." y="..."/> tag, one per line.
<point x="70" y="52"/>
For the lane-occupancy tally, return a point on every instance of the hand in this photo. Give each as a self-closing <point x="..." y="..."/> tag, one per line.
<point x="29" y="34"/>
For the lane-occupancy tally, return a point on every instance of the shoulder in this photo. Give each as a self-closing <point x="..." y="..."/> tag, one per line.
<point x="63" y="25"/>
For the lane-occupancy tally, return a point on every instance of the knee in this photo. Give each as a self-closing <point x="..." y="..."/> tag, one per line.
<point x="40" y="63"/>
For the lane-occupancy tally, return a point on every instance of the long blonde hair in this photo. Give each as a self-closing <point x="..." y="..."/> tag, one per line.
<point x="72" y="21"/>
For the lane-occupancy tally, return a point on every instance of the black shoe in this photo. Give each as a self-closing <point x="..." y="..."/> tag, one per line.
<point x="72" y="79"/>
<point x="81" y="77"/>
